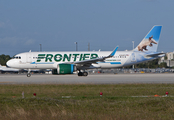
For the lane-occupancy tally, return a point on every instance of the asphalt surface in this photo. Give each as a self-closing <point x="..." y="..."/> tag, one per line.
<point x="90" y="79"/>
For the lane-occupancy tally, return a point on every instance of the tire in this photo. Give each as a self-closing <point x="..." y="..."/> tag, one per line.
<point x="28" y="74"/>
<point x="80" y="74"/>
<point x="85" y="74"/>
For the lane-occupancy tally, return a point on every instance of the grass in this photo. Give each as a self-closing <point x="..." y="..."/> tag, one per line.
<point x="85" y="102"/>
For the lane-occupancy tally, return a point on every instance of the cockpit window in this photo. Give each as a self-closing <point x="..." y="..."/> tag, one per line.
<point x="17" y="57"/>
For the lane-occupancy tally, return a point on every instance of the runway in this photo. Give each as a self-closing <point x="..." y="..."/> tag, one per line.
<point x="90" y="79"/>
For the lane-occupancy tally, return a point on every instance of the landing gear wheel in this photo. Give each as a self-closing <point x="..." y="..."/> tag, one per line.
<point x="85" y="74"/>
<point x="28" y="74"/>
<point x="80" y="74"/>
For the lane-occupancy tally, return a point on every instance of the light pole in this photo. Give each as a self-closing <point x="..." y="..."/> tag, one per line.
<point x="133" y="44"/>
<point x="40" y="47"/>
<point x="88" y="46"/>
<point x="76" y="46"/>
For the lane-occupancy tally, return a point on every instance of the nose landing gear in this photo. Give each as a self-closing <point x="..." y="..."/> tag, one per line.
<point x="28" y="74"/>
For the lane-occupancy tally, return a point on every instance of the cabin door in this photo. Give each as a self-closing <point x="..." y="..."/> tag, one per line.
<point x="133" y="57"/>
<point x="28" y="58"/>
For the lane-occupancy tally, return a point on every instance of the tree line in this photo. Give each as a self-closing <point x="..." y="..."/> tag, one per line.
<point x="4" y="59"/>
<point x="150" y="64"/>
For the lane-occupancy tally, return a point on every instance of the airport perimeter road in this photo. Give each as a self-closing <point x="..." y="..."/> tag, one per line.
<point x="91" y="79"/>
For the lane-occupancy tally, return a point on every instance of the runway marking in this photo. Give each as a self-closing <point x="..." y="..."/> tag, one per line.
<point x="68" y="96"/>
<point x="153" y="96"/>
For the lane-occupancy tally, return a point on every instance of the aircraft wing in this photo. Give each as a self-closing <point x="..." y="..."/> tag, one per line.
<point x="154" y="55"/>
<point x="90" y="61"/>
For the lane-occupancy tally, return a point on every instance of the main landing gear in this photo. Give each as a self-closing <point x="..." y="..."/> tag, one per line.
<point x="82" y="74"/>
<point x="28" y="74"/>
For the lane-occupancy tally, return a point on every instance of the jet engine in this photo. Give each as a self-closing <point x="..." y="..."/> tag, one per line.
<point x="64" y="69"/>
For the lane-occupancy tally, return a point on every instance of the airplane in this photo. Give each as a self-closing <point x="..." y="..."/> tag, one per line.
<point x="79" y="61"/>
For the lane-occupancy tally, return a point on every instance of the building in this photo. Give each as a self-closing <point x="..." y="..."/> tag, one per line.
<point x="169" y="59"/>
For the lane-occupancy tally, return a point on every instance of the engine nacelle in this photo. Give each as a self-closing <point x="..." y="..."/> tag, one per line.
<point x="64" y="69"/>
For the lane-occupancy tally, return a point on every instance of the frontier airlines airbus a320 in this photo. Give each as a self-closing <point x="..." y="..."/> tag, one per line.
<point x="69" y="62"/>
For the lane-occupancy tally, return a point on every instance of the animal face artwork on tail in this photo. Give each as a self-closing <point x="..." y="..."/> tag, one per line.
<point x="146" y="42"/>
<point x="150" y="41"/>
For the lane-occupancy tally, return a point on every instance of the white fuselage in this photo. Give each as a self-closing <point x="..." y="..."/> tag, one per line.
<point x="50" y="60"/>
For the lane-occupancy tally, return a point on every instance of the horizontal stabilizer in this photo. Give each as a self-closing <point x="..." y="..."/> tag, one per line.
<point x="154" y="55"/>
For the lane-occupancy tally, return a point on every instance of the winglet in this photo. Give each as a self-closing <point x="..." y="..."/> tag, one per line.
<point x="90" y="61"/>
<point x="113" y="52"/>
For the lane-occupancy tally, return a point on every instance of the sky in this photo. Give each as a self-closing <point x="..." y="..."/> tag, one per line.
<point x="104" y="24"/>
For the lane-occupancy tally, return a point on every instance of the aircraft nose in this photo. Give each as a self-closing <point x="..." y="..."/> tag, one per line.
<point x="9" y="63"/>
